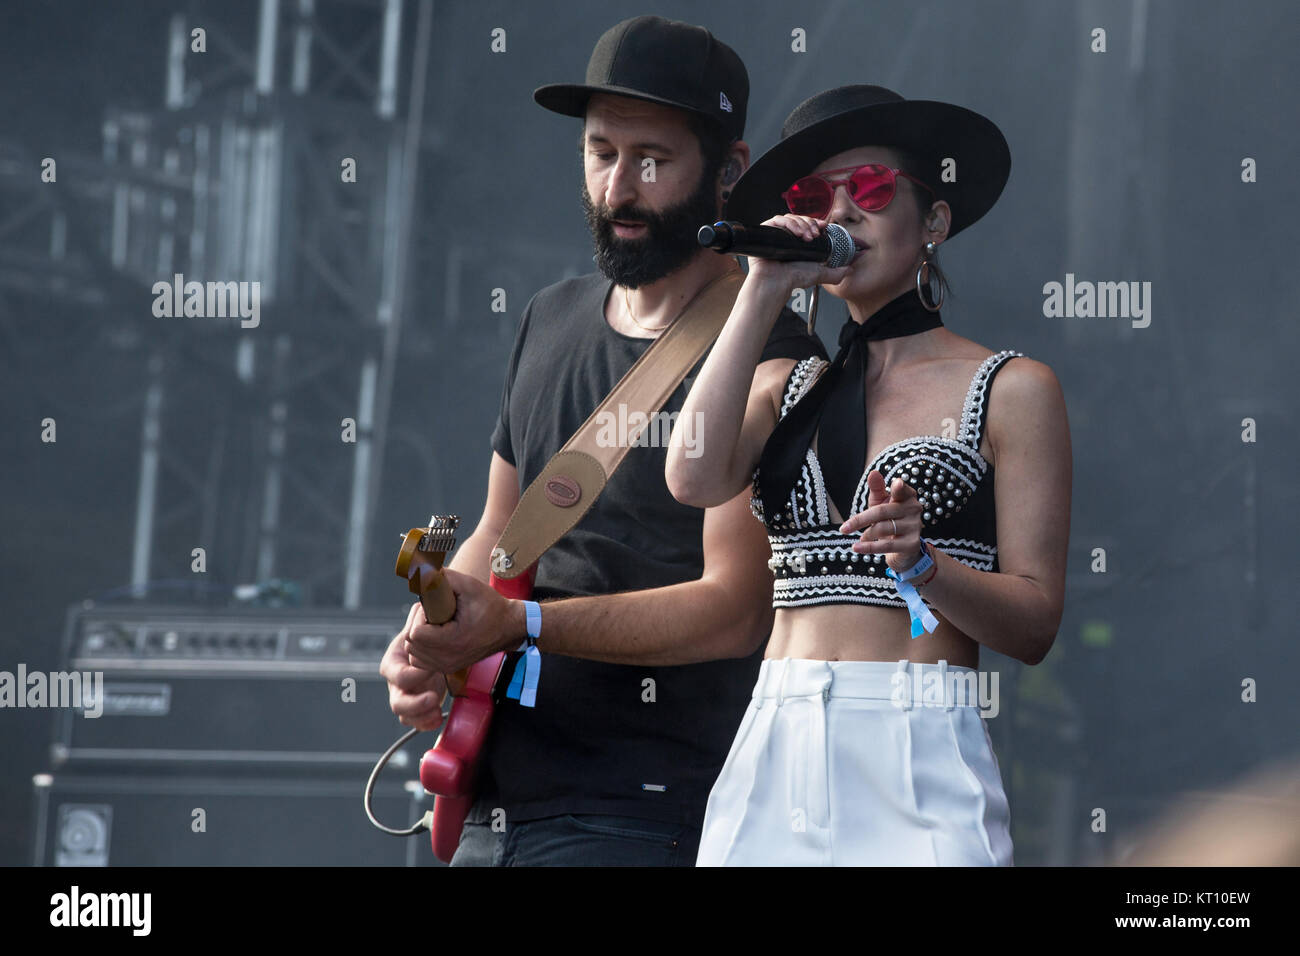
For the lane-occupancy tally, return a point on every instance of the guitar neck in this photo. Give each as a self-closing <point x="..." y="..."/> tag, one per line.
<point x="420" y="561"/>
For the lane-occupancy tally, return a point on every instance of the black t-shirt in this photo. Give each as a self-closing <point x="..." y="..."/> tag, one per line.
<point x="595" y="742"/>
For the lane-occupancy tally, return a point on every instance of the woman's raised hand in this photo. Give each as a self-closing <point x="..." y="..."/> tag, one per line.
<point x="796" y="275"/>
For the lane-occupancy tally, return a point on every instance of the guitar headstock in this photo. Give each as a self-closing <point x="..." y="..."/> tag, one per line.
<point x="433" y="543"/>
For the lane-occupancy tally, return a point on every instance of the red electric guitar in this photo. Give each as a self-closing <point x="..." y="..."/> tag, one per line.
<point x="449" y="770"/>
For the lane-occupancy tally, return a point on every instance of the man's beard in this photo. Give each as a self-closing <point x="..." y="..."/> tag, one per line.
<point x="668" y="244"/>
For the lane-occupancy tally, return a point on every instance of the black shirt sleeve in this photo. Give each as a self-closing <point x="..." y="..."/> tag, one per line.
<point x="501" y="439"/>
<point x="790" y="339"/>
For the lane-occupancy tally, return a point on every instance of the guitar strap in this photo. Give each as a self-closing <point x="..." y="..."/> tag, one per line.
<point x="568" y="486"/>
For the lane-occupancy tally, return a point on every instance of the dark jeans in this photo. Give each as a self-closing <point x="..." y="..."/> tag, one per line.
<point x="579" y="840"/>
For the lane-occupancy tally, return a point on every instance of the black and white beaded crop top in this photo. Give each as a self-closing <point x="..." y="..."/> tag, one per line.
<point x="813" y="562"/>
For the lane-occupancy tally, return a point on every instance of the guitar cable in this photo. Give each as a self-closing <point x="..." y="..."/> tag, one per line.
<point x="425" y="822"/>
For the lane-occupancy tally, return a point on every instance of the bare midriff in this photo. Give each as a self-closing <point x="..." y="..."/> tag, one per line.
<point x="862" y="632"/>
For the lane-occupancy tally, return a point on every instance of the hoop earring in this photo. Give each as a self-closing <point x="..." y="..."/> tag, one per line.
<point x="812" y="308"/>
<point x="925" y="276"/>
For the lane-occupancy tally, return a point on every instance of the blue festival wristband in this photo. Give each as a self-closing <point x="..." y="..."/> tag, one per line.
<point x="922" y="618"/>
<point x="523" y="683"/>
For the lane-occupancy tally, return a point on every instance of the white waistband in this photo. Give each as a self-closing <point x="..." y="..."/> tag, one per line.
<point x="905" y="682"/>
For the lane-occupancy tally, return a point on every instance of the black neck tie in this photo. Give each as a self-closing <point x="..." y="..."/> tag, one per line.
<point x="834" y="410"/>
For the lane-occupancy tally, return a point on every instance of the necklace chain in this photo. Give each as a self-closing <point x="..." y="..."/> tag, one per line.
<point x="628" y="303"/>
<point x="632" y="315"/>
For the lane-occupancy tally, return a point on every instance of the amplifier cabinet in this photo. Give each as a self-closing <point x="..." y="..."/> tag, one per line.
<point x="203" y="688"/>
<point x="185" y="820"/>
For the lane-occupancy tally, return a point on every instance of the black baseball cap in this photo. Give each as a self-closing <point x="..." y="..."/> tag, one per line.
<point x="662" y="61"/>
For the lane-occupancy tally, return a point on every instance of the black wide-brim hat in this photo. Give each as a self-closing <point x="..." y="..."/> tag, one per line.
<point x="848" y="117"/>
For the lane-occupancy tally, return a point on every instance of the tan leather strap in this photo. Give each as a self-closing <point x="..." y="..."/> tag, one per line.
<point x="572" y="480"/>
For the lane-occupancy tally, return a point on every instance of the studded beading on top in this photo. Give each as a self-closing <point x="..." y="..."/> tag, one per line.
<point x="814" y="564"/>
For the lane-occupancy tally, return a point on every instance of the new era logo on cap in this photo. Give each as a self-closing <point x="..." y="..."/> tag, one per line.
<point x="725" y="103"/>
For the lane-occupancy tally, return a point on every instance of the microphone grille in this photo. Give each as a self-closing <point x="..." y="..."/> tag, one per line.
<point x="842" y="248"/>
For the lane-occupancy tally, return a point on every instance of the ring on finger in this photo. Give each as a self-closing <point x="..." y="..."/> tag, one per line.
<point x="895" y="524"/>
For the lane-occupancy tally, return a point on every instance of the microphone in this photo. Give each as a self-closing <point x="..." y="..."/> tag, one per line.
<point x="834" y="247"/>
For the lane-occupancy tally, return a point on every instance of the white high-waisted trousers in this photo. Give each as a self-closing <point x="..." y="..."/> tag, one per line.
<point x="842" y="763"/>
